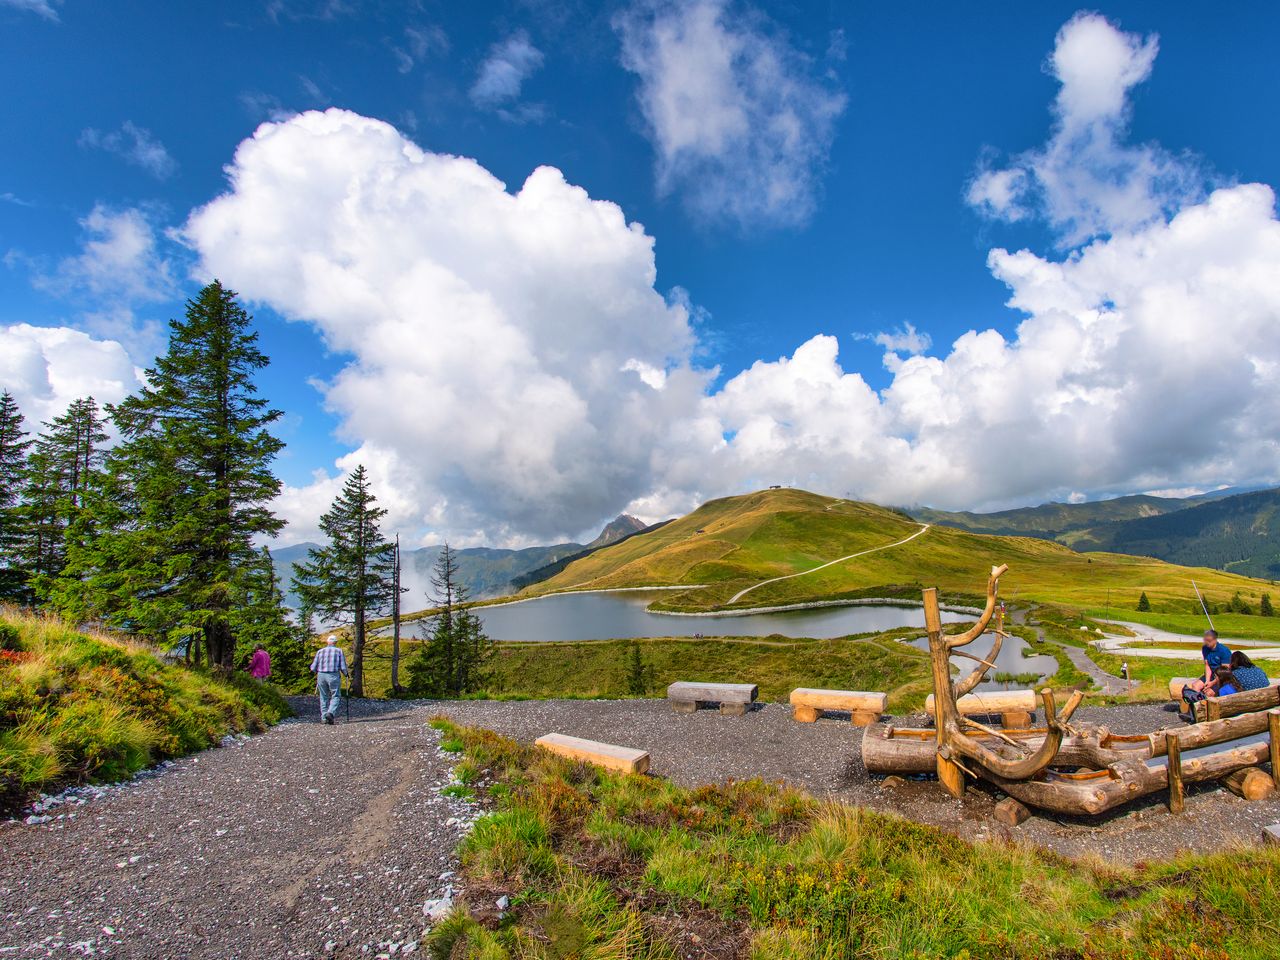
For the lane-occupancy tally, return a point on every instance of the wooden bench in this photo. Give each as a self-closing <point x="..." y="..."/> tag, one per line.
<point x="864" y="707"/>
<point x="1016" y="707"/>
<point x="1177" y="683"/>
<point x="734" y="698"/>
<point x="607" y="755"/>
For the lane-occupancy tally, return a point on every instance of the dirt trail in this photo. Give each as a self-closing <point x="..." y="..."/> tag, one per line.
<point x="924" y="527"/>
<point x="305" y="838"/>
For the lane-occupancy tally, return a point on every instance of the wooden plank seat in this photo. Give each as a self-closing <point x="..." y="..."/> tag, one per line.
<point x="734" y="699"/>
<point x="864" y="707"/>
<point x="1016" y="707"/>
<point x="607" y="755"/>
<point x="1177" y="683"/>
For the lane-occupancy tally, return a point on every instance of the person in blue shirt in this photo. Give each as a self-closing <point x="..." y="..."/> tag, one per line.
<point x="1215" y="655"/>
<point x="1247" y="676"/>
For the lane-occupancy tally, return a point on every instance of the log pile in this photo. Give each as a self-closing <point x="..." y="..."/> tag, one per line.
<point x="1060" y="767"/>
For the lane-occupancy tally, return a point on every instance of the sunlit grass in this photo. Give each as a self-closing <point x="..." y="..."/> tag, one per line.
<point x="600" y="864"/>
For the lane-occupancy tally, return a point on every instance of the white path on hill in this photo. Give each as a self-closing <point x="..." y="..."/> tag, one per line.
<point x="830" y="563"/>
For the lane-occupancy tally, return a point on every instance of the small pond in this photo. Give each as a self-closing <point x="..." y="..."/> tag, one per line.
<point x="1010" y="660"/>
<point x="622" y="615"/>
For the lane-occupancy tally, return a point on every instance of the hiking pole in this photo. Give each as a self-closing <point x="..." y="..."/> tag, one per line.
<point x="1203" y="606"/>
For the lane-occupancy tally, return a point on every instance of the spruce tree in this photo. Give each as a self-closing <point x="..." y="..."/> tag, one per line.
<point x="455" y="657"/>
<point x="350" y="579"/>
<point x="63" y="470"/>
<point x="13" y="466"/>
<point x="1143" y="602"/>
<point x="1264" y="606"/>
<point x="188" y="487"/>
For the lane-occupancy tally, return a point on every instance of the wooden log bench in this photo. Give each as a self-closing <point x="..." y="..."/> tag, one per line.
<point x="607" y="755"/>
<point x="864" y="707"/>
<point x="734" y="698"/>
<point x="1177" y="683"/>
<point x="1016" y="707"/>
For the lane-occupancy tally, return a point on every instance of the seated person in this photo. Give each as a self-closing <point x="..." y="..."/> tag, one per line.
<point x="1248" y="676"/>
<point x="1224" y="684"/>
<point x="1215" y="655"/>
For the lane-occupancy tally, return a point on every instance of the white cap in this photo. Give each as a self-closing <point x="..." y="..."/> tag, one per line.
<point x="331" y="638"/>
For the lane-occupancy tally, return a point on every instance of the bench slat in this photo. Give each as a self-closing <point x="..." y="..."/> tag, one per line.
<point x="996" y="701"/>
<point x="608" y="755"/>
<point x="839" y="699"/>
<point x="713" y="692"/>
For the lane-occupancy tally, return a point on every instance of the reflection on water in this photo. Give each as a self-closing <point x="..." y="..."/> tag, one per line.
<point x="1009" y="660"/>
<point x="622" y="615"/>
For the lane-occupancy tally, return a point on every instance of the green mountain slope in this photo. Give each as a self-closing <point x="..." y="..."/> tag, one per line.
<point x="1239" y="533"/>
<point x="736" y="543"/>
<point x="1052" y="520"/>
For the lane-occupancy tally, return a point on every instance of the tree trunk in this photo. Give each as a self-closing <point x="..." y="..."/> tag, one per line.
<point x="357" y="655"/>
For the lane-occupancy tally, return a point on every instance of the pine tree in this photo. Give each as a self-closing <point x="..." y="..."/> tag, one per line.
<point x="350" y="579"/>
<point x="188" y="487"/>
<point x="1264" y="606"/>
<point x="261" y="617"/>
<point x="63" y="470"/>
<point x="13" y="466"/>
<point x="1143" y="602"/>
<point x="455" y="658"/>
<point x="639" y="675"/>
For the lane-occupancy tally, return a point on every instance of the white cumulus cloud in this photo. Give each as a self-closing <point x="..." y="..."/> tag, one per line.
<point x="741" y="121"/>
<point x="1087" y="180"/>
<point x="488" y="330"/>
<point x="515" y="376"/>
<point x="46" y="368"/>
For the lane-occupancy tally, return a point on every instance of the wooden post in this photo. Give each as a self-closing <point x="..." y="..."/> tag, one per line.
<point x="1173" y="752"/>
<point x="949" y="773"/>
<point x="1273" y="728"/>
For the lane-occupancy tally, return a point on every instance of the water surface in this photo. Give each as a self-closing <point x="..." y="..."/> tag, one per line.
<point x="622" y="615"/>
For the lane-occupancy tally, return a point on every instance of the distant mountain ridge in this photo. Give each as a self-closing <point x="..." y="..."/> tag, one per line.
<point x="1226" y="529"/>
<point x="484" y="571"/>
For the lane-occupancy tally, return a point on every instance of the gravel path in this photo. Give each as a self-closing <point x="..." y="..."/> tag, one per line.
<point x="305" y="838"/>
<point x="314" y="841"/>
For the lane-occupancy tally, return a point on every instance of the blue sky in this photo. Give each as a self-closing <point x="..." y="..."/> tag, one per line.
<point x="135" y="109"/>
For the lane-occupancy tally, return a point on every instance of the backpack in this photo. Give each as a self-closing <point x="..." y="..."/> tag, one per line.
<point x="1191" y="698"/>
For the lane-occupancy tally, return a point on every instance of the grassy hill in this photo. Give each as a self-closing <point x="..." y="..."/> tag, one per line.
<point x="77" y="707"/>
<point x="736" y="542"/>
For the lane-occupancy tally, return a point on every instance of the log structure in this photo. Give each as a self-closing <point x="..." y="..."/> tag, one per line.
<point x="1083" y="769"/>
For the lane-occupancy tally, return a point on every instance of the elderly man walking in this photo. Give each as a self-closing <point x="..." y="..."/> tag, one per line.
<point x="330" y="666"/>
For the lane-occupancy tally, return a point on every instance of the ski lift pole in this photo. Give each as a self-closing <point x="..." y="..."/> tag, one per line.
<point x="1203" y="606"/>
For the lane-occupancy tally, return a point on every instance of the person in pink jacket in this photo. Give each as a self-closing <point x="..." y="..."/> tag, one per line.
<point x="260" y="663"/>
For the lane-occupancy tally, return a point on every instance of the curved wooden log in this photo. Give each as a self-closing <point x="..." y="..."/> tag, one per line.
<point x="1027" y="766"/>
<point x="980" y="672"/>
<point x="1130" y="778"/>
<point x="886" y="749"/>
<point x="979" y="628"/>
